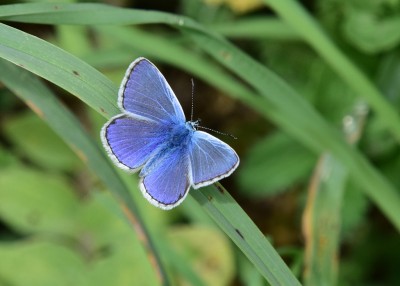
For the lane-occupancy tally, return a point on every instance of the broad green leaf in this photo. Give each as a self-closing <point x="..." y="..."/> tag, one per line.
<point x="207" y="250"/>
<point x="35" y="140"/>
<point x="40" y="263"/>
<point x="231" y="218"/>
<point x="307" y="27"/>
<point x="298" y="118"/>
<point x="274" y="164"/>
<point x="257" y="249"/>
<point x="43" y="102"/>
<point x="7" y="158"/>
<point x="228" y="215"/>
<point x="122" y="262"/>
<point x="311" y="135"/>
<point x="50" y="263"/>
<point x="371" y="34"/>
<point x="35" y="202"/>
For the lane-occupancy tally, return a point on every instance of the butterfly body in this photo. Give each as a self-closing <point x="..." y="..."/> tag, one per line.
<point x="152" y="134"/>
<point x="178" y="140"/>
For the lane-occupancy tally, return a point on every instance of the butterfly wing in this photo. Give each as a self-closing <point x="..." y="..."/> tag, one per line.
<point x="140" y="137"/>
<point x="168" y="183"/>
<point x="130" y="141"/>
<point x="211" y="159"/>
<point x="144" y="92"/>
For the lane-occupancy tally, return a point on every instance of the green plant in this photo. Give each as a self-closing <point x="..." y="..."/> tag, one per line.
<point x="307" y="123"/>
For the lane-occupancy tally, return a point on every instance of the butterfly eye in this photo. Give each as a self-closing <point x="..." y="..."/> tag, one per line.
<point x="195" y="124"/>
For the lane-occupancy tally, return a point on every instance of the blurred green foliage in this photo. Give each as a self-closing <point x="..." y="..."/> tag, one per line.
<point x="58" y="227"/>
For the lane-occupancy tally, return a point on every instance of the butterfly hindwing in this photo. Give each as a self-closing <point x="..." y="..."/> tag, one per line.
<point x="145" y="93"/>
<point x="151" y="134"/>
<point x="168" y="183"/>
<point x="211" y="159"/>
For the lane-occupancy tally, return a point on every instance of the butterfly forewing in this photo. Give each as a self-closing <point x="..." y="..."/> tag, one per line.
<point x="211" y="159"/>
<point x="131" y="141"/>
<point x="144" y="92"/>
<point x="151" y="134"/>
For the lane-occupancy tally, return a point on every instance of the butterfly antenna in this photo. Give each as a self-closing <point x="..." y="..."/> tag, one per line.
<point x="198" y="121"/>
<point x="191" y="113"/>
<point x="215" y="131"/>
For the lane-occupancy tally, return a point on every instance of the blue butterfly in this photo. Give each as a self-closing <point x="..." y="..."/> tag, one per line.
<point x="152" y="134"/>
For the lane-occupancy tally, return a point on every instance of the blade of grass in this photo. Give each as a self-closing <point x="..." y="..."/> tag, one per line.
<point x="256" y="28"/>
<point x="321" y="222"/>
<point x="161" y="48"/>
<point x="44" y="103"/>
<point x="302" y="22"/>
<point x="89" y="14"/>
<point x="259" y="77"/>
<point x="98" y="14"/>
<point x="87" y="87"/>
<point x="59" y="67"/>
<point x="293" y="114"/>
<point x="239" y="227"/>
<point x="95" y="14"/>
<point x="322" y="213"/>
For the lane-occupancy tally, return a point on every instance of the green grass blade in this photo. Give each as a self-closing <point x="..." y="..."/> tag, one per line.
<point x="95" y="14"/>
<point x="297" y="17"/>
<point x="322" y="221"/>
<point x="280" y="103"/>
<point x="297" y="117"/>
<point x="33" y="55"/>
<point x="235" y="222"/>
<point x="322" y="217"/>
<point x="61" y="68"/>
<point x="256" y="28"/>
<point x="162" y="48"/>
<point x="89" y="14"/>
<point x="44" y="103"/>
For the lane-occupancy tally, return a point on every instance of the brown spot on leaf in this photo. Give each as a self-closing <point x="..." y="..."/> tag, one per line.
<point x="103" y="110"/>
<point x="239" y="233"/>
<point x="220" y="189"/>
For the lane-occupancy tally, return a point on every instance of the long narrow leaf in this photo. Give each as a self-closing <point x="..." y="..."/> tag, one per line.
<point x="283" y="104"/>
<point x="42" y="101"/>
<point x="298" y="118"/>
<point x="297" y="17"/>
<point x="34" y="59"/>
<point x="234" y="221"/>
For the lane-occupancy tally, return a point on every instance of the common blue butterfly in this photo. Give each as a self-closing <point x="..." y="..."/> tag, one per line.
<point x="152" y="134"/>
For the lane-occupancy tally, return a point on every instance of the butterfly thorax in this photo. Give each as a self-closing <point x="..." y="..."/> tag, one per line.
<point x="179" y="137"/>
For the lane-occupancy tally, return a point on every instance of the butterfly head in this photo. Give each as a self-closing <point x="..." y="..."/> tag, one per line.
<point x="193" y="124"/>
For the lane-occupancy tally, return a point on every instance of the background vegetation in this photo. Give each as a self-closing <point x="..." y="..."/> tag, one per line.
<point x="310" y="88"/>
